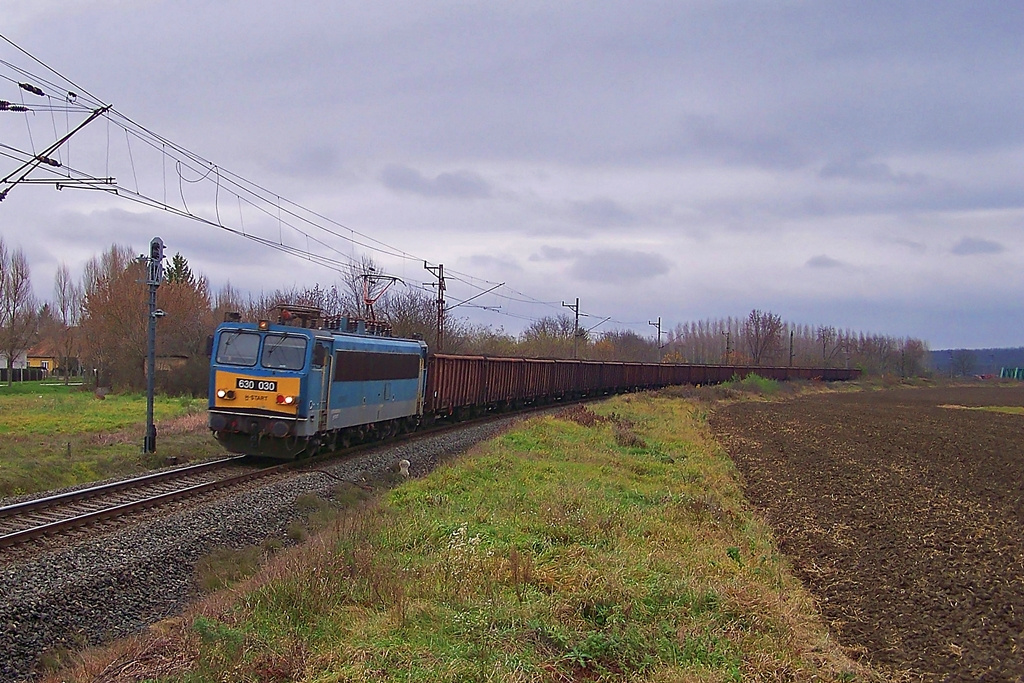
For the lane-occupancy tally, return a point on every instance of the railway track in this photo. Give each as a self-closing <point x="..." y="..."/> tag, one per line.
<point x="54" y="515"/>
<point x="43" y="517"/>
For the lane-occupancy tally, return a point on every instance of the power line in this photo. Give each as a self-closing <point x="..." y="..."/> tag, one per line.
<point x="193" y="169"/>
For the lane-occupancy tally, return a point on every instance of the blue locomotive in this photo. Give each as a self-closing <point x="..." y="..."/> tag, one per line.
<point x="293" y="387"/>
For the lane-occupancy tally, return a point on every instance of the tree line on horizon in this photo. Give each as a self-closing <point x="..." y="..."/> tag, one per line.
<point x="763" y="338"/>
<point x="98" y="326"/>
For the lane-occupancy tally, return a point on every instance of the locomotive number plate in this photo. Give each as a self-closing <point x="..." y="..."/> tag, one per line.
<point x="256" y="384"/>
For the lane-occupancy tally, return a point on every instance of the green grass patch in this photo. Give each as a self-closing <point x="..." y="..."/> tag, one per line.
<point x="1007" y="410"/>
<point x="754" y="384"/>
<point x="607" y="545"/>
<point x="53" y="435"/>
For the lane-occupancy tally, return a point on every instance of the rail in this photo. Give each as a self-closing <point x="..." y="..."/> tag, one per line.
<point x="78" y="518"/>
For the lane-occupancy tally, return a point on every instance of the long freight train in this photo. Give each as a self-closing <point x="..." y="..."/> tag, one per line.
<point x="304" y="384"/>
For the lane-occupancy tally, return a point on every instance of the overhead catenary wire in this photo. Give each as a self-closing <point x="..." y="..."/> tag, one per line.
<point x="192" y="168"/>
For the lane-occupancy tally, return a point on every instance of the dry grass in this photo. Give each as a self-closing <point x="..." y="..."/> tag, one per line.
<point x="607" y="544"/>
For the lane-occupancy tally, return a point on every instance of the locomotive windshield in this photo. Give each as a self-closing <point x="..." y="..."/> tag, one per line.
<point x="238" y="348"/>
<point x="281" y="352"/>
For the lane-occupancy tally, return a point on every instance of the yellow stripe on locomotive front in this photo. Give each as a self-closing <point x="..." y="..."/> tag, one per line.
<point x="276" y="394"/>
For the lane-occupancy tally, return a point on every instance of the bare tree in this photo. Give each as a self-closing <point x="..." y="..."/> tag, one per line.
<point x="736" y="341"/>
<point x="828" y="339"/>
<point x="182" y="334"/>
<point x="551" y="336"/>
<point x="18" y="316"/>
<point x="962" y="362"/>
<point x="67" y="298"/>
<point x="413" y="313"/>
<point x="114" y="318"/>
<point x="912" y="357"/>
<point x="227" y="299"/>
<point x="625" y="345"/>
<point x="763" y="333"/>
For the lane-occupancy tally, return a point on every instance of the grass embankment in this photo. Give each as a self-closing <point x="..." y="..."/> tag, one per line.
<point x="611" y="546"/>
<point x="53" y="435"/>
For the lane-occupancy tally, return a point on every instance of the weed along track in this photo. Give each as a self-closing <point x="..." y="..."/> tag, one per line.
<point x="111" y="580"/>
<point x="902" y="511"/>
<point x="52" y="515"/>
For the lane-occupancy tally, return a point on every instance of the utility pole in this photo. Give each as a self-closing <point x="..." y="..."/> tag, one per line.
<point x="658" y="325"/>
<point x="727" y="347"/>
<point x="156" y="276"/>
<point x="791" y="348"/>
<point x="576" y="327"/>
<point x="438" y="272"/>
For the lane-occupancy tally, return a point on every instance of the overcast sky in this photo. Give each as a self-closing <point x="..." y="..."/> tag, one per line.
<point x="856" y="164"/>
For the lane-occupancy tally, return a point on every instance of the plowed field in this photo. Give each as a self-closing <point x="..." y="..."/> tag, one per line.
<point x="902" y="511"/>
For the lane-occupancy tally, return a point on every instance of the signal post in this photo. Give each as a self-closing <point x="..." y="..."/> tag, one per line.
<point x="155" y="277"/>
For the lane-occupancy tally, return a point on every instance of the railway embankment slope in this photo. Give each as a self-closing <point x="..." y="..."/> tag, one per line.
<point x="603" y="543"/>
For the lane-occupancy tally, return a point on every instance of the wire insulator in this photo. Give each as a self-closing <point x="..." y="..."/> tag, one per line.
<point x="47" y="160"/>
<point x="32" y="89"/>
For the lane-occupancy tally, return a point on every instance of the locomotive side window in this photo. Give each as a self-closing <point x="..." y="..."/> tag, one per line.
<point x="281" y="352"/>
<point x="238" y="348"/>
<point x="319" y="355"/>
<point x="362" y="366"/>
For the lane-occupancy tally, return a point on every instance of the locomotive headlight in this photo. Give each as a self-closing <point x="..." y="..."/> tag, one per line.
<point x="285" y="400"/>
<point x="227" y="394"/>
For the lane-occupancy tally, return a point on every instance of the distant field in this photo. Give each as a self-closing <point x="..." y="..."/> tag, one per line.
<point x="53" y="435"/>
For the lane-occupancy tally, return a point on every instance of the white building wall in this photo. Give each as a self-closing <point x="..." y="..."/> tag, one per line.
<point x="21" y="361"/>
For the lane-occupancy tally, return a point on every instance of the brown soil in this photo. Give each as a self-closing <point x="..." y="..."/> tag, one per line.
<point x="904" y="516"/>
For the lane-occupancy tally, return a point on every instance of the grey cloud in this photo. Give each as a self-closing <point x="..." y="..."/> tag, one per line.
<point x="919" y="247"/>
<point x="602" y="213"/>
<point x="863" y="170"/>
<point x="314" y="160"/>
<point x="773" y="88"/>
<point x="823" y="261"/>
<point x="103" y="227"/>
<point x="971" y="246"/>
<point x="607" y="266"/>
<point x="547" y="253"/>
<point x="740" y="142"/>
<point x="902" y="200"/>
<point x="487" y="263"/>
<point x="459" y="185"/>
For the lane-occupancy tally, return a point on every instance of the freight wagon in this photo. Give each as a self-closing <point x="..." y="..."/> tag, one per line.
<point x="467" y="385"/>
